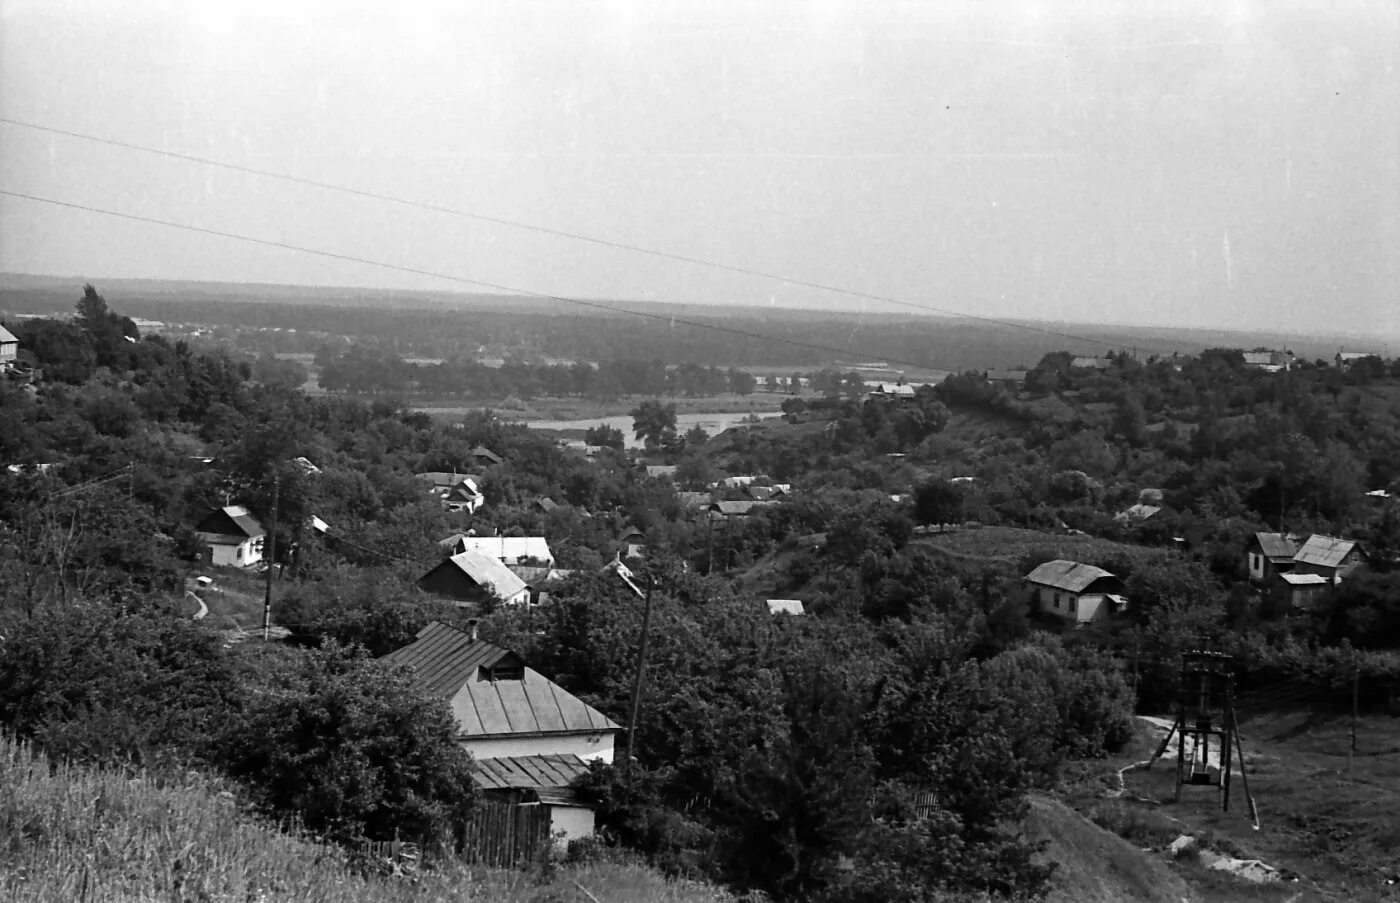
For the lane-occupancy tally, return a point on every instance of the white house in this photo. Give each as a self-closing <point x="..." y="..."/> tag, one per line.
<point x="505" y="549"/>
<point x="9" y="349"/>
<point x="1076" y="592"/>
<point x="530" y="737"/>
<point x="232" y="537"/>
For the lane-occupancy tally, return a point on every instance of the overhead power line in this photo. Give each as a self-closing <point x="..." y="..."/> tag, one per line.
<point x="334" y="255"/>
<point x="557" y="233"/>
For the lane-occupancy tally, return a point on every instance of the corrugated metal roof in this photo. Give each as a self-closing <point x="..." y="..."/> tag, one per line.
<point x="443" y="658"/>
<point x="502" y="548"/>
<point x="1303" y="579"/>
<point x="529" y="772"/>
<point x="1066" y="575"/>
<point x="1276" y="545"/>
<point x="1324" y="551"/>
<point x="533" y="704"/>
<point x="488" y="572"/>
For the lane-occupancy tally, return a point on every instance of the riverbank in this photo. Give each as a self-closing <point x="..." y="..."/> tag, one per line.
<point x="575" y="409"/>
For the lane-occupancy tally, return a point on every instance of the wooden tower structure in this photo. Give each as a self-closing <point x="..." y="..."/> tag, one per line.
<point x="1206" y="728"/>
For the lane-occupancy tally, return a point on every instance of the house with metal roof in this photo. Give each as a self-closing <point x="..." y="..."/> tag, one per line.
<point x="1297" y="592"/>
<point x="530" y="737"/>
<point x="473" y="577"/>
<point x="231" y="537"/>
<point x="633" y="543"/>
<point x="505" y="549"/>
<point x="1077" y="592"/>
<point x="1270" y="554"/>
<point x="485" y="457"/>
<point x="1329" y="557"/>
<point x="785" y="607"/>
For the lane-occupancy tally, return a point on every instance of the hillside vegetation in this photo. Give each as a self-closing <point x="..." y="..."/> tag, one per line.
<point x="81" y="833"/>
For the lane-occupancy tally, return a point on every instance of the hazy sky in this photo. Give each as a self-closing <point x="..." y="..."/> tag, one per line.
<point x="1193" y="162"/>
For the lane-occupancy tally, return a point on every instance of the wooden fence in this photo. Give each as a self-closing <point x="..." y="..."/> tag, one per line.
<point x="502" y="834"/>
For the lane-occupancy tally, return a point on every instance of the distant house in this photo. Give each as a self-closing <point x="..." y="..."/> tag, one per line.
<point x="232" y="537"/>
<point x="1347" y="358"/>
<point x="506" y="549"/>
<point x="737" y="507"/>
<point x="539" y="579"/>
<point x="1136" y="514"/>
<point x="1007" y="377"/>
<point x="465" y="496"/>
<point x="9" y="350"/>
<point x="441" y="484"/>
<point x="1074" y="591"/>
<point x="1268" y="361"/>
<point x="624" y="573"/>
<point x="1297" y="591"/>
<point x="891" y="391"/>
<point x="785" y="607"/>
<point x="545" y="505"/>
<point x="530" y="737"/>
<point x="474" y="577"/>
<point x="1329" y="557"/>
<point x="692" y="500"/>
<point x="1091" y="363"/>
<point x="485" y="457"/>
<point x="633" y="543"/>
<point x="661" y="471"/>
<point x="1270" y="554"/>
<point x="739" y="482"/>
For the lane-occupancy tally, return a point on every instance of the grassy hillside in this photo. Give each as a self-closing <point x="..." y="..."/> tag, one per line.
<point x="74" y="833"/>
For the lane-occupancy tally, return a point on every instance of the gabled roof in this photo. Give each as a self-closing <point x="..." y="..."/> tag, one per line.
<point x="693" y="499"/>
<point x="625" y="573"/>
<point x="785" y="607"/>
<point x="441" y="479"/>
<point x="6" y="337"/>
<point x="443" y="658"/>
<point x="528" y="772"/>
<point x="1276" y="546"/>
<point x="1325" y="551"/>
<point x="1067" y="575"/>
<point x="501" y="547"/>
<point x="482" y="451"/>
<point x="738" y="508"/>
<point x="1137" y="512"/>
<point x="487" y="573"/>
<point x="546" y="504"/>
<point x="232" y="520"/>
<point x="892" y="389"/>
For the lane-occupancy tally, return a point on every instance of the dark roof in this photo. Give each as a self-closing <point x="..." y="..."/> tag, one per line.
<point x="738" y="508"/>
<point x="448" y="662"/>
<point x="1325" y="551"/>
<point x="231" y="520"/>
<point x="1276" y="546"/>
<point x="528" y="772"/>
<point x="1067" y="575"/>
<point x="441" y="479"/>
<point x="443" y="658"/>
<point x="537" y="577"/>
<point x="482" y="451"/>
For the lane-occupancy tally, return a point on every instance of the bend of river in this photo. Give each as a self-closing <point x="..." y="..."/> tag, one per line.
<point x="710" y="423"/>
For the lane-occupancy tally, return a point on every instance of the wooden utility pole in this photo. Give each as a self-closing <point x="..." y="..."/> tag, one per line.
<point x="637" y="677"/>
<point x="271" y="557"/>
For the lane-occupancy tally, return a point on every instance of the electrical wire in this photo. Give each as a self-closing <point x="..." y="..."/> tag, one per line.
<point x="286" y="246"/>
<point x="546" y="230"/>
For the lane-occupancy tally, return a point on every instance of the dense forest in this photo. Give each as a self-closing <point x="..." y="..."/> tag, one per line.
<point x="879" y="748"/>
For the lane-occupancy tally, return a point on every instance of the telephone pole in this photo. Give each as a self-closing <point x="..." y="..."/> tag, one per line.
<point x="271" y="556"/>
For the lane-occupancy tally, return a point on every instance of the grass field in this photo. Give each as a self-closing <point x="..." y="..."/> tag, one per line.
<point x="78" y="834"/>
<point x="1334" y="825"/>
<point x="1008" y="545"/>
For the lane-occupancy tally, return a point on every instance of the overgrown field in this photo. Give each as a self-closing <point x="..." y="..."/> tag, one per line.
<point x="1329" y="824"/>
<point x="72" y="833"/>
<point x="1009" y="545"/>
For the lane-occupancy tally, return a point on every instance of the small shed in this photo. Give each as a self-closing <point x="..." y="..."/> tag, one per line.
<point x="545" y="781"/>
<point x="1329" y="556"/>
<point x="1270" y="554"/>
<point x="1298" y="592"/>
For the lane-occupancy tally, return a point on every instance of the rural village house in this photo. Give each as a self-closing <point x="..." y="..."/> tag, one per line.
<point x="473" y="577"/>
<point x="458" y="491"/>
<point x="232" y="537"/>
<point x="633" y="543"/>
<point x="1329" y="557"/>
<point x="1270" y="554"/>
<point x="530" y="737"/>
<point x="9" y="350"/>
<point x="485" y="457"/>
<point x="506" y="549"/>
<point x="1074" y="591"/>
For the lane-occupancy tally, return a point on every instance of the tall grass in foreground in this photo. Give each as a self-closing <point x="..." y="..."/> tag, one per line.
<point x="72" y="833"/>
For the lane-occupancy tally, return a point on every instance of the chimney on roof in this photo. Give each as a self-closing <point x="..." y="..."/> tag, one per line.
<point x="471" y="627"/>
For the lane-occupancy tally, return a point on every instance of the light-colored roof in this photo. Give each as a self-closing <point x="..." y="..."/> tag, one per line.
<point x="1324" y="551"/>
<point x="539" y="576"/>
<point x="488" y="573"/>
<point x="528" y="772"/>
<point x="1138" y="512"/>
<point x="1303" y="579"/>
<point x="661" y="470"/>
<point x="892" y="389"/>
<point x="6" y="336"/>
<point x="441" y="479"/>
<point x="1066" y="575"/>
<point x="1259" y="358"/>
<point x="1090" y="363"/>
<point x="1276" y="546"/>
<point x="448" y="662"/>
<point x="502" y="548"/>
<point x="625" y="573"/>
<point x="785" y="607"/>
<point x="482" y="451"/>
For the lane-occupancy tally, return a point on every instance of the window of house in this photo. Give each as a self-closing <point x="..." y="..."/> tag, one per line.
<point x="1073" y="607"/>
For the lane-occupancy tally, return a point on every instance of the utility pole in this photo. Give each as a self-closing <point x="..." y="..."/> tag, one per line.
<point x="637" y="677"/>
<point x="271" y="557"/>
